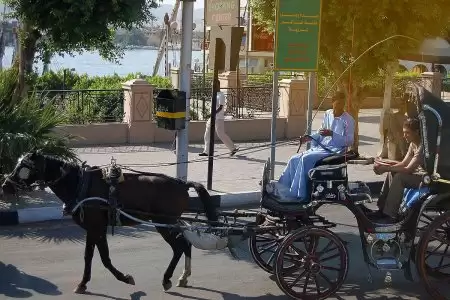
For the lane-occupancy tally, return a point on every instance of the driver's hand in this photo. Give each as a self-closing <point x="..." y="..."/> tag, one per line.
<point x="305" y="139"/>
<point x="325" y="132"/>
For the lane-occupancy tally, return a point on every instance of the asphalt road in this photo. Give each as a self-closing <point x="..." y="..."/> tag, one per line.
<point x="45" y="261"/>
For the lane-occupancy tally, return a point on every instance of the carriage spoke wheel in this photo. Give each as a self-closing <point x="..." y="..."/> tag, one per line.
<point x="425" y="220"/>
<point x="433" y="258"/>
<point x="263" y="247"/>
<point x="321" y="264"/>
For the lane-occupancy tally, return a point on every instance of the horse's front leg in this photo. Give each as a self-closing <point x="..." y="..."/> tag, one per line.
<point x="183" y="280"/>
<point x="88" y="255"/>
<point x="103" y="249"/>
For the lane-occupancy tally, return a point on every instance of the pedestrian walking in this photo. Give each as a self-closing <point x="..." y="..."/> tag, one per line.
<point x="220" y="127"/>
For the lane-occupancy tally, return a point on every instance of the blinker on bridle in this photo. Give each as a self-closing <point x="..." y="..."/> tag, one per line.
<point x="26" y="163"/>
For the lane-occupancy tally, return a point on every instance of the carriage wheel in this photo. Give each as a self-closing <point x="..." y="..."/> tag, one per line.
<point x="433" y="257"/>
<point x="264" y="247"/>
<point x="425" y="220"/>
<point x="321" y="261"/>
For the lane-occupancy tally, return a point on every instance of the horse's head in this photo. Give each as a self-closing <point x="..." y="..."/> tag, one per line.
<point x="32" y="169"/>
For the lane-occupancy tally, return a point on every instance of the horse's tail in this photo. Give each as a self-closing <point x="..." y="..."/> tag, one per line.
<point x="210" y="210"/>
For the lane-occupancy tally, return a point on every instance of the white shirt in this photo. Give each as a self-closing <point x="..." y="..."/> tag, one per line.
<point x="220" y="101"/>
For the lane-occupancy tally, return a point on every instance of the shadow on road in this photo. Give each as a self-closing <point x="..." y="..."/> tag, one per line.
<point x="369" y="119"/>
<point x="356" y="284"/>
<point x="226" y="295"/>
<point x="134" y="296"/>
<point x="51" y="232"/>
<point x="17" y="284"/>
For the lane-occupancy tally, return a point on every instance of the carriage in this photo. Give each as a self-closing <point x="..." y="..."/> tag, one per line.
<point x="422" y="232"/>
<point x="286" y="238"/>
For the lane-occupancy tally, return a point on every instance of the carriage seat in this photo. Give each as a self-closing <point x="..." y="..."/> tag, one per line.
<point x="337" y="159"/>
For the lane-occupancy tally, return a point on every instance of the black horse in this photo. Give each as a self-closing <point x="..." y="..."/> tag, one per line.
<point x="146" y="196"/>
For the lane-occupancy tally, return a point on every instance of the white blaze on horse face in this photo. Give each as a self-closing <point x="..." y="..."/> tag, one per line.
<point x="24" y="173"/>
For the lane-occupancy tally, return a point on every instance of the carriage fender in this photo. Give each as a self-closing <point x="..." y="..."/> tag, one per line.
<point x="441" y="201"/>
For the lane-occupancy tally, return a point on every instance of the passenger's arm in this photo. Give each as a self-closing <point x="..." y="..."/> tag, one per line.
<point x="316" y="136"/>
<point x="405" y="162"/>
<point x="408" y="166"/>
<point x="346" y="138"/>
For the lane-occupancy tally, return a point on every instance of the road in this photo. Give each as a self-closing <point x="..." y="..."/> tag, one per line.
<point x="45" y="261"/>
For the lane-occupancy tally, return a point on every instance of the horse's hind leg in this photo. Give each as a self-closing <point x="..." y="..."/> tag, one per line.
<point x="173" y="239"/>
<point x="88" y="255"/>
<point x="102" y="245"/>
<point x="183" y="280"/>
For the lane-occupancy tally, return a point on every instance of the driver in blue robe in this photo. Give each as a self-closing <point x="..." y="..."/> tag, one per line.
<point x="335" y="136"/>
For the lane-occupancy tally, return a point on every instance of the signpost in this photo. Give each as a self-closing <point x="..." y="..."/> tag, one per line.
<point x="223" y="17"/>
<point x="222" y="12"/>
<point x="297" y="40"/>
<point x="297" y="35"/>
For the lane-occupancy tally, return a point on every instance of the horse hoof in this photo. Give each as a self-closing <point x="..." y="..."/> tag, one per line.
<point x="81" y="289"/>
<point x="167" y="286"/>
<point x="182" y="283"/>
<point x="130" y="280"/>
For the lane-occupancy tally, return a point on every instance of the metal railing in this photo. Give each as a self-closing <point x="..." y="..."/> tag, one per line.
<point x="103" y="106"/>
<point x="86" y="106"/>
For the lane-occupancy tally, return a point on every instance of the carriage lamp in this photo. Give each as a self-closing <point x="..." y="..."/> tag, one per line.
<point x="171" y="109"/>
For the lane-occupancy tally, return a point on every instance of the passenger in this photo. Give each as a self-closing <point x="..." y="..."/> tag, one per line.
<point x="405" y="174"/>
<point x="336" y="135"/>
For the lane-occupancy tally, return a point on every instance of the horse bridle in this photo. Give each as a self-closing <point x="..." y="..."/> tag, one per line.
<point x="21" y="185"/>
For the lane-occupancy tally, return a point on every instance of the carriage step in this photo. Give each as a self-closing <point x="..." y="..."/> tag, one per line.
<point x="389" y="264"/>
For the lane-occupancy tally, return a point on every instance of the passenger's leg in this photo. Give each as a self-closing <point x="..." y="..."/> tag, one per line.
<point x="385" y="191"/>
<point x="301" y="178"/>
<point x="289" y="171"/>
<point x="394" y="199"/>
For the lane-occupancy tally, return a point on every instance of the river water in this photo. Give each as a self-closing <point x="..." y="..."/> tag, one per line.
<point x="133" y="61"/>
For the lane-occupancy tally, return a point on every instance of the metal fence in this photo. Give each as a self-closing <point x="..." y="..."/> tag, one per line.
<point x="243" y="103"/>
<point x="86" y="106"/>
<point x="445" y="94"/>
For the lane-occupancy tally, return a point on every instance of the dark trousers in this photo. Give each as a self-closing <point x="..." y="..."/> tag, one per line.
<point x="392" y="191"/>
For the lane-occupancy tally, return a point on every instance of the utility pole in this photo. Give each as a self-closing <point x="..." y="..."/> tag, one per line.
<point x="185" y="84"/>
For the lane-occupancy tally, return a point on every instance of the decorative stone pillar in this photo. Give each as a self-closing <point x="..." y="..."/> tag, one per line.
<point x="432" y="81"/>
<point x="293" y="105"/>
<point x="138" y="108"/>
<point x="229" y="80"/>
<point x="175" y="77"/>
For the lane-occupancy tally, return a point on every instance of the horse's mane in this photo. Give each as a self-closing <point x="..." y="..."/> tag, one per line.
<point x="53" y="158"/>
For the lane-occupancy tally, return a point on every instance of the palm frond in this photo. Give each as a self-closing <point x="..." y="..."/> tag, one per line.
<point x="28" y="124"/>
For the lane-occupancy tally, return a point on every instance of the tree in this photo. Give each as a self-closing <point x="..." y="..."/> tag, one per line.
<point x="55" y="26"/>
<point x="351" y="27"/>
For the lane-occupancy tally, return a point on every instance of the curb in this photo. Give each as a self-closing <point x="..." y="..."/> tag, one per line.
<point x="229" y="200"/>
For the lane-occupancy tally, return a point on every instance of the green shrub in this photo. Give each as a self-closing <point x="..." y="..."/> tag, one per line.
<point x="27" y="124"/>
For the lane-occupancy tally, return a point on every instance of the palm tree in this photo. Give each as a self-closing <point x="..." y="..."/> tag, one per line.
<point x="27" y="124"/>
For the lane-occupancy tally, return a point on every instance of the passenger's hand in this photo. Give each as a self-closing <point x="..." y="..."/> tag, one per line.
<point x="380" y="169"/>
<point x="376" y="169"/>
<point x="325" y="132"/>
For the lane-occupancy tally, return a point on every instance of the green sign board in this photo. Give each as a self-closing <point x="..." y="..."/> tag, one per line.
<point x="297" y="35"/>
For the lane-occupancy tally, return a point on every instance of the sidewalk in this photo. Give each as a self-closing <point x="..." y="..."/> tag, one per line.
<point x="236" y="178"/>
